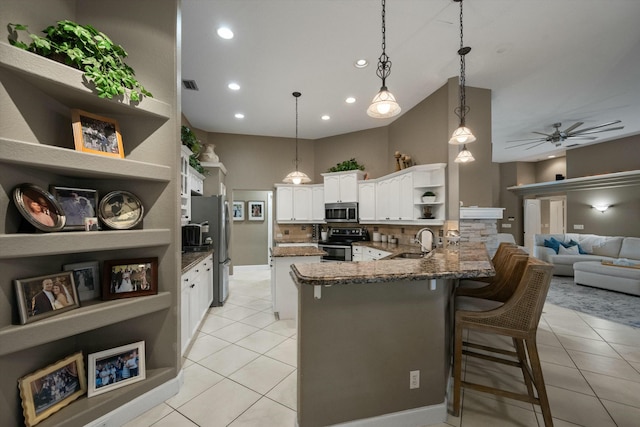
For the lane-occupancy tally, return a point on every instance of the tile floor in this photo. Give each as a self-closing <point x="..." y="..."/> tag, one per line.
<point x="241" y="371"/>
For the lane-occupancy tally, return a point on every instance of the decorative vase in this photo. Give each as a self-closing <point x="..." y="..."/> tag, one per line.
<point x="208" y="155"/>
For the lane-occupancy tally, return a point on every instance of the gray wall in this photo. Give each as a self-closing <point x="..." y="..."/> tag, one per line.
<point x="250" y="238"/>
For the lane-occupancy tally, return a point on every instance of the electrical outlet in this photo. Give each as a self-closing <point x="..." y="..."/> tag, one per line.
<point x="414" y="379"/>
<point x="506" y="225"/>
<point x="578" y="226"/>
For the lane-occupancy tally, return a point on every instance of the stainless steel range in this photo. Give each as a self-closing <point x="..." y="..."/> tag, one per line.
<point x="338" y="243"/>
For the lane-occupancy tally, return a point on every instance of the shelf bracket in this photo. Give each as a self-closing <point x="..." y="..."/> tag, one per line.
<point x="317" y="292"/>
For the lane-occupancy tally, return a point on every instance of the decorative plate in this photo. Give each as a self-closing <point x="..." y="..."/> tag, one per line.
<point x="39" y="207"/>
<point x="120" y="210"/>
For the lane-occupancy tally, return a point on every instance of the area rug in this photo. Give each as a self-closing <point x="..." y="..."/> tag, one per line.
<point x="609" y="305"/>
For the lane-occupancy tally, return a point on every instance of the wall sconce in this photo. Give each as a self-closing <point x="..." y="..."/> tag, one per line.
<point x="602" y="207"/>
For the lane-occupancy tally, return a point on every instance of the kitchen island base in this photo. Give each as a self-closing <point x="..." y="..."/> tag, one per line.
<point x="357" y="345"/>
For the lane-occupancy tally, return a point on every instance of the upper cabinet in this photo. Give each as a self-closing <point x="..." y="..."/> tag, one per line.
<point x="293" y="203"/>
<point x="341" y="187"/>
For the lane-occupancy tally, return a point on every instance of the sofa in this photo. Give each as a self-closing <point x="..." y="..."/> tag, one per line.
<point x="608" y="262"/>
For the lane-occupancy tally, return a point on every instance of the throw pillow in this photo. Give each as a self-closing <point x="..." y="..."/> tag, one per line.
<point x="553" y="244"/>
<point x="580" y="250"/>
<point x="570" y="250"/>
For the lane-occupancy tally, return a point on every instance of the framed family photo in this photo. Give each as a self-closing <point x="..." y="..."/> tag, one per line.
<point x="256" y="211"/>
<point x="86" y="277"/>
<point x="125" y="278"/>
<point x="45" y="296"/>
<point x="114" y="368"/>
<point x="77" y="204"/>
<point x="96" y="134"/>
<point x="39" y="207"/>
<point x="238" y="210"/>
<point x="120" y="210"/>
<point x="50" y="389"/>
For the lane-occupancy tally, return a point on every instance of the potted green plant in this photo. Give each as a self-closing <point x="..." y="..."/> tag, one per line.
<point x="428" y="197"/>
<point x="191" y="141"/>
<point x="89" y="50"/>
<point x="347" y="165"/>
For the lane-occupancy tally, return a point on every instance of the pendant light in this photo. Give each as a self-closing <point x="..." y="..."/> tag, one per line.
<point x="384" y="104"/>
<point x="296" y="177"/>
<point x="462" y="135"/>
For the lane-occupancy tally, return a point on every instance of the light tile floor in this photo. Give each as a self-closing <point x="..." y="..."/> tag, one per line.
<point x="241" y="371"/>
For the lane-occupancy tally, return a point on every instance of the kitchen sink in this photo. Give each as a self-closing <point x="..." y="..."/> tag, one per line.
<point x="408" y="255"/>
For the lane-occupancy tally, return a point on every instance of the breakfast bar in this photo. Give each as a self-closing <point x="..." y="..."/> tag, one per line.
<point x="374" y="337"/>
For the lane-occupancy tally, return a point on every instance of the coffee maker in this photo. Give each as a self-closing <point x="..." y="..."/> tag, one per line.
<point x="192" y="236"/>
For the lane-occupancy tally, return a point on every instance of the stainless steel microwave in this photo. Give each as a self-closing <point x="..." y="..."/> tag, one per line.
<point x="341" y="212"/>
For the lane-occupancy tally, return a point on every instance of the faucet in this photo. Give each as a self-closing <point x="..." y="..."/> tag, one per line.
<point x="418" y="239"/>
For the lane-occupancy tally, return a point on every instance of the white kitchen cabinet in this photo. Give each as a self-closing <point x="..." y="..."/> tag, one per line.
<point x="284" y="292"/>
<point x="197" y="296"/>
<point x="196" y="182"/>
<point x="367" y="200"/>
<point x="357" y="253"/>
<point x="372" y="254"/>
<point x="341" y="187"/>
<point x="293" y="203"/>
<point x="317" y="203"/>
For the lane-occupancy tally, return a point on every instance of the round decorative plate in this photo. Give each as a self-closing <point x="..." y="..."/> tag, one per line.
<point x="120" y="210"/>
<point x="39" y="207"/>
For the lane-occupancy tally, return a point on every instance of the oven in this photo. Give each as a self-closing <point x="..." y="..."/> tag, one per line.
<point x="338" y="243"/>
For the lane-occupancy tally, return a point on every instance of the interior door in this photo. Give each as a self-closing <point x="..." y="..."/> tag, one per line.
<point x="532" y="220"/>
<point x="556" y="217"/>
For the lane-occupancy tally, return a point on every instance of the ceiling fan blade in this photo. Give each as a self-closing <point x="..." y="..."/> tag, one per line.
<point x="586" y="138"/>
<point x="540" y="133"/>
<point x="527" y="139"/>
<point x="594" y="131"/>
<point x="527" y="143"/>
<point x="573" y="126"/>
<point x="598" y="126"/>
<point x="537" y="145"/>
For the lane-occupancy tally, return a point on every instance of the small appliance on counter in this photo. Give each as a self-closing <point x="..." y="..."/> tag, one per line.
<point x="193" y="237"/>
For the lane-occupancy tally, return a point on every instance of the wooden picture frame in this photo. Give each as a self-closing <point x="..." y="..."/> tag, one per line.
<point x="86" y="276"/>
<point x="238" y="210"/>
<point x="126" y="278"/>
<point x="50" y="389"/>
<point x="256" y="211"/>
<point x="96" y="134"/>
<point x="77" y="204"/>
<point x="39" y="207"/>
<point x="46" y="296"/>
<point x="118" y="367"/>
<point x="120" y="210"/>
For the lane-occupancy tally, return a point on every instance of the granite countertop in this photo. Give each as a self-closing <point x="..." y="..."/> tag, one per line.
<point x="468" y="260"/>
<point x="190" y="259"/>
<point x="289" y="251"/>
<point x="295" y="240"/>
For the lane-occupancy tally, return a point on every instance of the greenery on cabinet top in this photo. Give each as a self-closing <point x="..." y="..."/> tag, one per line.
<point x="347" y="165"/>
<point x="191" y="141"/>
<point x="89" y="50"/>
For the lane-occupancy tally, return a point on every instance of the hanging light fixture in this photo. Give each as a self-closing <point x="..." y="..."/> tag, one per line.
<point x="462" y="135"/>
<point x="384" y="104"/>
<point x="296" y="177"/>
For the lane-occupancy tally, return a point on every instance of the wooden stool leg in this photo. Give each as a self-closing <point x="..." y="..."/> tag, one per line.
<point x="536" y="367"/>
<point x="522" y="358"/>
<point x="457" y="371"/>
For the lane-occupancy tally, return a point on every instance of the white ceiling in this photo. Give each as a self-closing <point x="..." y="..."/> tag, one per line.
<point x="545" y="61"/>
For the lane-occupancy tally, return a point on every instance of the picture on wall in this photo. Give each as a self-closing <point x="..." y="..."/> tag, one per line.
<point x="238" y="210"/>
<point x="256" y="211"/>
<point x="50" y="389"/>
<point x="96" y="134"/>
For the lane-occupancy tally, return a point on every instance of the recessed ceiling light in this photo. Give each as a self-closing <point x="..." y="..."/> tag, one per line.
<point x="239" y="116"/>
<point x="551" y="156"/>
<point x="350" y="100"/>
<point x="325" y="117"/>
<point x="225" y="33"/>
<point x="234" y="86"/>
<point x="361" y="63"/>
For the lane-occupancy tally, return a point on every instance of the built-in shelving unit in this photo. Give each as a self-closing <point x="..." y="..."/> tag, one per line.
<point x="36" y="146"/>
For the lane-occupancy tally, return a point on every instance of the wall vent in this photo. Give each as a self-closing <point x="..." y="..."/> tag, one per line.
<point x="190" y="84"/>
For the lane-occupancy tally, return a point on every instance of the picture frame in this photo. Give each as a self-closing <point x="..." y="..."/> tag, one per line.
<point x="238" y="210"/>
<point x="46" y="296"/>
<point x="86" y="276"/>
<point x="77" y="204"/>
<point x="120" y="210"/>
<point x="39" y="207"/>
<point x="96" y="134"/>
<point x="50" y="389"/>
<point x="256" y="211"/>
<point x="127" y="361"/>
<point x="126" y="278"/>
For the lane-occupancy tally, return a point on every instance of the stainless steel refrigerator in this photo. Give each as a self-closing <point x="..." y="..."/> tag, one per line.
<point x="215" y="210"/>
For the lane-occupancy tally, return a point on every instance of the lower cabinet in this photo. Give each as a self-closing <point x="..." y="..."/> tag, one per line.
<point x="196" y="297"/>
<point x="365" y="253"/>
<point x="284" y="293"/>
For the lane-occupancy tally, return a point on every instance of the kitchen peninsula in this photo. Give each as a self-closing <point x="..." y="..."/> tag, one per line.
<point x="374" y="337"/>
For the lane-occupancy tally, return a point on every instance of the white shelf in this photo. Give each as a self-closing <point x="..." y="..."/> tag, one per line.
<point x="27" y="245"/>
<point x="95" y="314"/>
<point x="75" y="163"/>
<point x="67" y="85"/>
<point x="213" y="165"/>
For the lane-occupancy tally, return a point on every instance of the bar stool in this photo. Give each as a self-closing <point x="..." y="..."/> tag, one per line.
<point x="517" y="318"/>
<point x="504" y="285"/>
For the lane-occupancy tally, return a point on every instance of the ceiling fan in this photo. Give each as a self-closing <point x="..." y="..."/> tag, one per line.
<point x="558" y="137"/>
